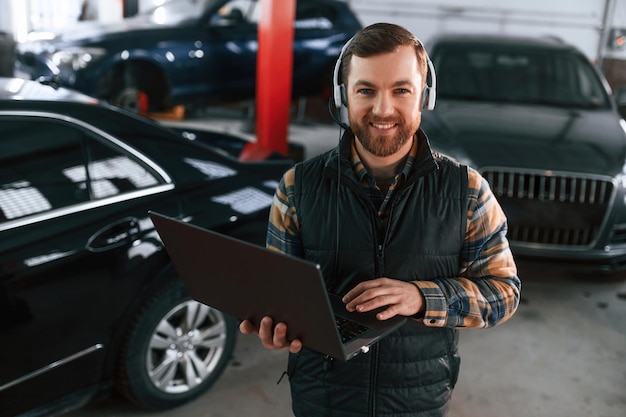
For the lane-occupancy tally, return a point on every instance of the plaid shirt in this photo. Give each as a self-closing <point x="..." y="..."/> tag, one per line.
<point x="486" y="289"/>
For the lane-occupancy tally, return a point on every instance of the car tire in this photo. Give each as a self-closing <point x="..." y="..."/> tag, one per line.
<point x="174" y="351"/>
<point x="138" y="87"/>
<point x="133" y="100"/>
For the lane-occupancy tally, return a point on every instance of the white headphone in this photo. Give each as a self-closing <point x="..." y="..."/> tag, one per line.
<point x="339" y="89"/>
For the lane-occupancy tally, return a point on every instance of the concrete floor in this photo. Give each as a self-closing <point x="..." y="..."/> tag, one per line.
<point x="562" y="354"/>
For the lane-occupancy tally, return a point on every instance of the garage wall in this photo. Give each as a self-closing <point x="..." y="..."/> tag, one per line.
<point x="578" y="22"/>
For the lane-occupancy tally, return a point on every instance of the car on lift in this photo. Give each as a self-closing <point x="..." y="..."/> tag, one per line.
<point x="88" y="296"/>
<point x="185" y="52"/>
<point x="539" y="121"/>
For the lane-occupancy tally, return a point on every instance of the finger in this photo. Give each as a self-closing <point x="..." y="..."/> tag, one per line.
<point x="373" y="298"/>
<point x="266" y="332"/>
<point x="280" y="336"/>
<point x="389" y="312"/>
<point x="360" y="288"/>
<point x="374" y="301"/>
<point x="246" y="327"/>
<point x="360" y="302"/>
<point x="295" y="346"/>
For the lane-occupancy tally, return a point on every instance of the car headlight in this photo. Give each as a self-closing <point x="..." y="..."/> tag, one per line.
<point x="76" y="58"/>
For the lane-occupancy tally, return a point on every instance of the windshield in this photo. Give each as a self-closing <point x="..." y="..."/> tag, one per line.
<point x="524" y="76"/>
<point x="174" y="12"/>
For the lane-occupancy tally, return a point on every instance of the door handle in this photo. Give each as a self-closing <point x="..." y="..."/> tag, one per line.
<point x="114" y="235"/>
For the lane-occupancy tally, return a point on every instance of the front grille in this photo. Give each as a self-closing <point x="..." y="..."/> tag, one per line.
<point x="551" y="208"/>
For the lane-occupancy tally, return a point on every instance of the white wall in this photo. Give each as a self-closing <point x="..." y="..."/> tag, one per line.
<point x="110" y="10"/>
<point x="13" y="16"/>
<point x="575" y="21"/>
<point x="5" y="16"/>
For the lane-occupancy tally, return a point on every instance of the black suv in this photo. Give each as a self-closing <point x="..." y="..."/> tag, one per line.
<point x="538" y="120"/>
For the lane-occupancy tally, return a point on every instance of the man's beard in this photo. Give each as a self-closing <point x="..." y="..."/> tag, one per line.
<point x="383" y="146"/>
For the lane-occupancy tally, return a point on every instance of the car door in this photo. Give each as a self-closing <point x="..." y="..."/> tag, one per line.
<point x="320" y="31"/>
<point x="230" y="45"/>
<point x="72" y="211"/>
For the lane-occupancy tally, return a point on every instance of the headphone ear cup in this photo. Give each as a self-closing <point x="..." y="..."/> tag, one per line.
<point x="343" y="116"/>
<point x="425" y="98"/>
<point x="432" y="95"/>
<point x="343" y="107"/>
<point x="339" y="91"/>
<point x="429" y="95"/>
<point x="337" y="94"/>
<point x="428" y="98"/>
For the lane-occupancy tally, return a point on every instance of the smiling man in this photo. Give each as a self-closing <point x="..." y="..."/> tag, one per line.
<point x="396" y="227"/>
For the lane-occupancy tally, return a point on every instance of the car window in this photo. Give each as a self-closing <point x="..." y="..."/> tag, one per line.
<point x="309" y="14"/>
<point x="525" y="76"/>
<point x="314" y="15"/>
<point x="47" y="165"/>
<point x="174" y="12"/>
<point x="237" y="12"/>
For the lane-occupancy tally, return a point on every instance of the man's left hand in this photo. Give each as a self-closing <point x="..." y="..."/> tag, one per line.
<point x="400" y="298"/>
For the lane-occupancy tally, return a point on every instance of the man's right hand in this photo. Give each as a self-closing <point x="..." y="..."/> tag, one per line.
<point x="272" y="337"/>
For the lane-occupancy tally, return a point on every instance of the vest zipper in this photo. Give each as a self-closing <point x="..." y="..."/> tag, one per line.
<point x="373" y="377"/>
<point x="374" y="353"/>
<point x="380" y="260"/>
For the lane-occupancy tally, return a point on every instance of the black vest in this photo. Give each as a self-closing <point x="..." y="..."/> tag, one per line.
<point x="412" y="371"/>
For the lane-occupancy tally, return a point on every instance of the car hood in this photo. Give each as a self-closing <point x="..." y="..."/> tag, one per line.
<point x="529" y="137"/>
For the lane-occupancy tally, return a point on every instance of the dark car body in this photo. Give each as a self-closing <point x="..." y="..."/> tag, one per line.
<point x="88" y="296"/>
<point x="186" y="52"/>
<point x="537" y="119"/>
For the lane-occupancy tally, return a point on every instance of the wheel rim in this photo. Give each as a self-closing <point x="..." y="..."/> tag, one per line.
<point x="185" y="347"/>
<point x="133" y="100"/>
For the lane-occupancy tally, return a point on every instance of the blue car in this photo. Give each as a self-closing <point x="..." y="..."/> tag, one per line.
<point x="185" y="52"/>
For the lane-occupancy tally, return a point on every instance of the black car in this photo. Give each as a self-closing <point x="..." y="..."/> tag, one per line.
<point x="538" y="120"/>
<point x="186" y="52"/>
<point x="88" y="296"/>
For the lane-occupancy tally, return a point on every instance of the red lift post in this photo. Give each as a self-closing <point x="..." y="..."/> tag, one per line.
<point x="273" y="79"/>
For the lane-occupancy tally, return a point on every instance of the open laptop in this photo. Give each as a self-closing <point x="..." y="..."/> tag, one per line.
<point x="250" y="282"/>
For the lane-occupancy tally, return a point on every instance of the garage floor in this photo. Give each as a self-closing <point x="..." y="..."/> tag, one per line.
<point x="562" y="354"/>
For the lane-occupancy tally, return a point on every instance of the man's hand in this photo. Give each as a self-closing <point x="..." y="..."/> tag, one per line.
<point x="272" y="337"/>
<point x="400" y="297"/>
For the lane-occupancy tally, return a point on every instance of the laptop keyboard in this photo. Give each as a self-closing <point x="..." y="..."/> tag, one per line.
<point x="349" y="329"/>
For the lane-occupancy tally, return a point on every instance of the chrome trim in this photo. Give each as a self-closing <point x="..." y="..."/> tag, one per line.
<point x="52" y="366"/>
<point x="165" y="177"/>
<point x="36" y="218"/>
<point x="584" y="189"/>
<point x="30" y="113"/>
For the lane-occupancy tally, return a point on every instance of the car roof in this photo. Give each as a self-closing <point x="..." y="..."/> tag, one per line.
<point x="21" y="89"/>
<point x="500" y="40"/>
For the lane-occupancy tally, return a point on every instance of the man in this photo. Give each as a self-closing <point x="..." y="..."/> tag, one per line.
<point x="394" y="225"/>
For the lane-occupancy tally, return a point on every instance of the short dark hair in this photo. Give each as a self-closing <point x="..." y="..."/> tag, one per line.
<point x="380" y="38"/>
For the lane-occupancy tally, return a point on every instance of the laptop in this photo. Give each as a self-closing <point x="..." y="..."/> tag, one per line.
<point x="249" y="282"/>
